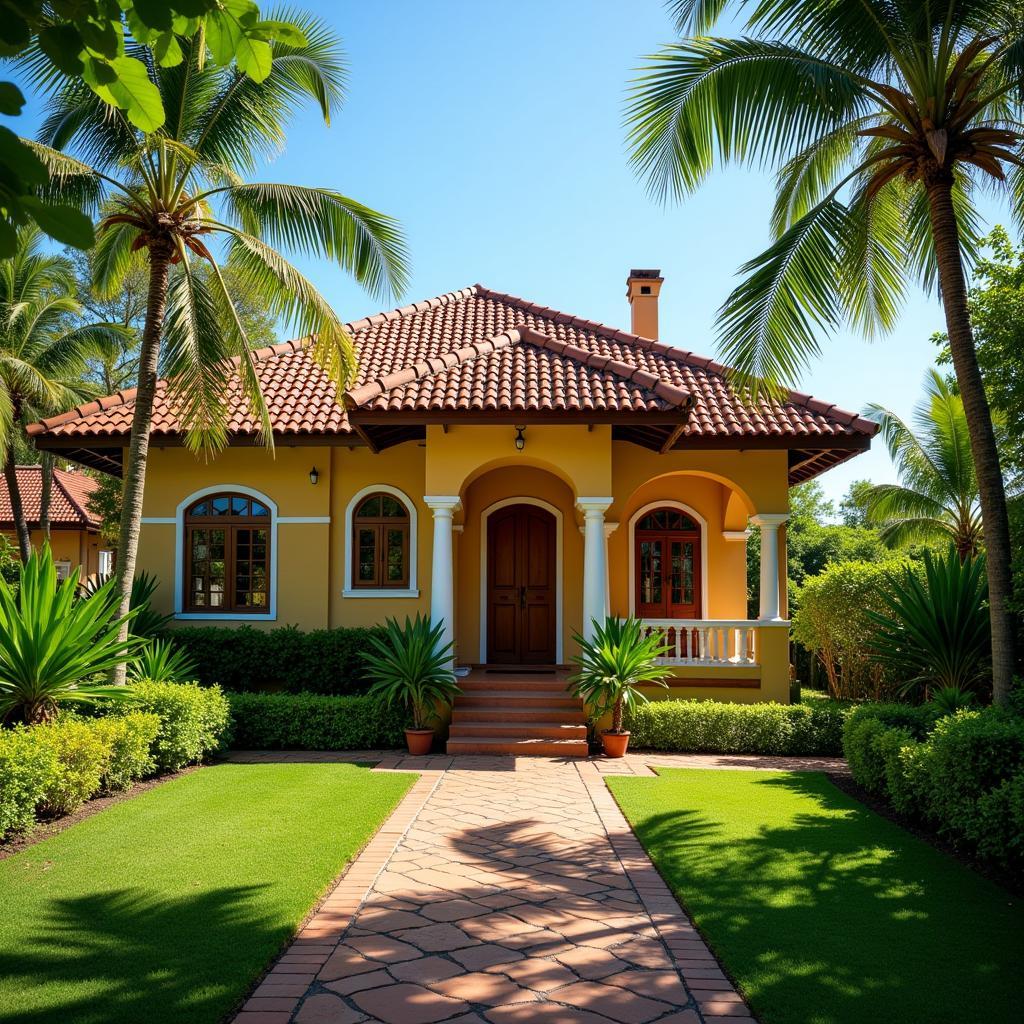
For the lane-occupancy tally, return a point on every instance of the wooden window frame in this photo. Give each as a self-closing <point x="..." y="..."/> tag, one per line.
<point x="667" y="537"/>
<point x="230" y="524"/>
<point x="379" y="525"/>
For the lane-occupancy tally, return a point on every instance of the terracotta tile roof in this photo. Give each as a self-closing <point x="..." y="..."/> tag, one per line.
<point x="481" y="351"/>
<point x="68" y="498"/>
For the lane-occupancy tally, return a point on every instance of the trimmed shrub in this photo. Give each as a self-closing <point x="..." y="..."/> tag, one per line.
<point x="27" y="768"/>
<point x="1001" y="823"/>
<point x="129" y="738"/>
<point x="865" y="726"/>
<point x="907" y="778"/>
<point x="710" y="726"/>
<point x="82" y="758"/>
<point x="284" y="659"/>
<point x="278" y="721"/>
<point x="194" y="721"/>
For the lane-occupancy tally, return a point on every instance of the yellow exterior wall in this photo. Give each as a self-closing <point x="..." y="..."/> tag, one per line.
<point x="79" y="547"/>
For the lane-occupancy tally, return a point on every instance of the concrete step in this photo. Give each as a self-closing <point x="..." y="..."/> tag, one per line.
<point x="505" y="699"/>
<point x="520" y="747"/>
<point x="520" y="730"/>
<point x="514" y="715"/>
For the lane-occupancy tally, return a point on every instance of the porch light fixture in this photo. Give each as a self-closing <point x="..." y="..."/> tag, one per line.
<point x="520" y="439"/>
<point x="314" y="475"/>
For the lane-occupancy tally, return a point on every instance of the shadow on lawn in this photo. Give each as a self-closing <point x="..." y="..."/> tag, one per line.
<point x="125" y="957"/>
<point x="841" y="916"/>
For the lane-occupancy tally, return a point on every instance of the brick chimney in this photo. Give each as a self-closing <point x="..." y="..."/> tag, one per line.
<point x="642" y="287"/>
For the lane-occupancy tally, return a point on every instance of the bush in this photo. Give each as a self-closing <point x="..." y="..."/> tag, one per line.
<point x="1001" y="824"/>
<point x="129" y="738"/>
<point x="864" y="729"/>
<point x="283" y="659"/>
<point x="277" y="721"/>
<point x="907" y="777"/>
<point x="194" y="721"/>
<point x="713" y="727"/>
<point x="27" y="769"/>
<point x="82" y="758"/>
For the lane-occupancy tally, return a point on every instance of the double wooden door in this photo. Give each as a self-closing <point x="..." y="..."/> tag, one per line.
<point x="521" y="574"/>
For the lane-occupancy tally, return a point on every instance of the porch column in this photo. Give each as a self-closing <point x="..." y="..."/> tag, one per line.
<point x="769" y="523"/>
<point x="595" y="562"/>
<point x="442" y="569"/>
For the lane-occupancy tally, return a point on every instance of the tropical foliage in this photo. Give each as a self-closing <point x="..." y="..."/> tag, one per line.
<point x="937" y="498"/>
<point x="146" y="623"/>
<point x="614" y="663"/>
<point x="933" y="632"/>
<point x="162" y="662"/>
<point x="411" y="667"/>
<point x="883" y="119"/>
<point x="51" y="643"/>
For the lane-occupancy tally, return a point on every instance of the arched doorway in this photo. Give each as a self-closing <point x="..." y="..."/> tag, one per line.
<point x="667" y="565"/>
<point x="521" y="585"/>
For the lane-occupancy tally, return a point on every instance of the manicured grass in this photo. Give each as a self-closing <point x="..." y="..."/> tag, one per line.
<point x="165" y="907"/>
<point x="822" y="911"/>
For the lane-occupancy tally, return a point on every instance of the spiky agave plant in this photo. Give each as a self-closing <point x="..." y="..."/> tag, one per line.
<point x="160" y="661"/>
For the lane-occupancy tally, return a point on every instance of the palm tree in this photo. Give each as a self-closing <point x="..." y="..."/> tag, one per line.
<point x="166" y="195"/>
<point x="882" y="118"/>
<point x="43" y="354"/>
<point x="937" y="498"/>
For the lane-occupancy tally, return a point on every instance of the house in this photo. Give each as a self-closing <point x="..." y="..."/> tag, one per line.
<point x="515" y="471"/>
<point x="74" y="529"/>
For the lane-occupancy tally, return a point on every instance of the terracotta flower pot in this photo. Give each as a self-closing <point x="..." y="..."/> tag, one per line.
<point x="615" y="743"/>
<point x="419" y="741"/>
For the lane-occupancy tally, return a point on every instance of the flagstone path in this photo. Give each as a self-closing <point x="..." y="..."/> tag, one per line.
<point x="502" y="890"/>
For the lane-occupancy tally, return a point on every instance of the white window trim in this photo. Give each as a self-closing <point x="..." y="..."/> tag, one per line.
<point x="704" y="573"/>
<point x="179" y="558"/>
<point x="350" y="510"/>
<point x="484" y="516"/>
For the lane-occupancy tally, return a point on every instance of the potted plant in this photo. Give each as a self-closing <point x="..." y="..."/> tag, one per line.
<point x="613" y="665"/>
<point x="410" y="666"/>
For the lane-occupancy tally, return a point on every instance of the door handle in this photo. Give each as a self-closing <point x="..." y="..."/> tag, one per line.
<point x="522" y="598"/>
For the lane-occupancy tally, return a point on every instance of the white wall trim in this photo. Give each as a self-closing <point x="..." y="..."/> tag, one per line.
<point x="736" y="535"/>
<point x="484" y="516"/>
<point x="414" y="544"/>
<point x="154" y="520"/>
<point x="704" y="567"/>
<point x="179" y="557"/>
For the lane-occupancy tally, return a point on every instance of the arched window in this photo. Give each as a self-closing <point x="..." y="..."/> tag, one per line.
<point x="227" y="555"/>
<point x="380" y="543"/>
<point x="668" y="569"/>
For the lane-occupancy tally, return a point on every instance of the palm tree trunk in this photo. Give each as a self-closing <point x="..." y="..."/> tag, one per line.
<point x="17" y="509"/>
<point x="46" y="465"/>
<point x="617" y="715"/>
<point x="142" y="421"/>
<point x="995" y="521"/>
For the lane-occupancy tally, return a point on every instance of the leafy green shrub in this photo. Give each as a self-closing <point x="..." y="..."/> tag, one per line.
<point x="281" y="721"/>
<point x="907" y="770"/>
<point x="1001" y="823"/>
<point x="973" y="752"/>
<point x="129" y="738"/>
<point x="82" y="757"/>
<point x="27" y="768"/>
<point x="194" y="721"/>
<point x="832" y="621"/>
<point x="864" y="729"/>
<point x="243" y="659"/>
<point x="714" y="727"/>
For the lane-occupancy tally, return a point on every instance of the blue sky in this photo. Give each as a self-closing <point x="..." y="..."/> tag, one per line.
<point x="493" y="132"/>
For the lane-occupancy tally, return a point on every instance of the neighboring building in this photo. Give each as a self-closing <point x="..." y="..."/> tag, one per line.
<point x="74" y="529"/>
<point x="513" y="470"/>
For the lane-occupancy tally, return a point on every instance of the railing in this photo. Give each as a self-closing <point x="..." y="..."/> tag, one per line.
<point x="707" y="641"/>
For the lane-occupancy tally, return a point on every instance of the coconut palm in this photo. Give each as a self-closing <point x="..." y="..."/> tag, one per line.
<point x="43" y="354"/>
<point x="882" y="118"/>
<point x="937" y="498"/>
<point x="167" y="195"/>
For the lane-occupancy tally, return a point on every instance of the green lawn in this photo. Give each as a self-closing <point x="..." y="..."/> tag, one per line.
<point x="822" y="911"/>
<point x="165" y="907"/>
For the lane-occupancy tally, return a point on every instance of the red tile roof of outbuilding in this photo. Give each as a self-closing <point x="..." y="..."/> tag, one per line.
<point x="69" y="498"/>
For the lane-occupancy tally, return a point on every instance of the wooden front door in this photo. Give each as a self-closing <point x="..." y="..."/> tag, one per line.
<point x="521" y="595"/>
<point x="668" y="566"/>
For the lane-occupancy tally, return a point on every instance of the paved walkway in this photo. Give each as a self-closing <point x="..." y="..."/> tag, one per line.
<point x="502" y="890"/>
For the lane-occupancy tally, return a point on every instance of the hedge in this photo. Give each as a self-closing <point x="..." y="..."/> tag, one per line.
<point x="283" y="659"/>
<point x="277" y="721"/>
<point x="962" y="774"/>
<point x="710" y="726"/>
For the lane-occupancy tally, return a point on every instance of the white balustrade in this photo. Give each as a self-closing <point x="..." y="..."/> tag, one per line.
<point x="706" y="641"/>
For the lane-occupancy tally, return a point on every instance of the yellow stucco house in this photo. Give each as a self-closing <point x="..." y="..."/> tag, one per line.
<point x="514" y="471"/>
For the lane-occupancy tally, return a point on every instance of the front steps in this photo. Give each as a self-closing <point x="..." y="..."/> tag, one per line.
<point x="523" y="714"/>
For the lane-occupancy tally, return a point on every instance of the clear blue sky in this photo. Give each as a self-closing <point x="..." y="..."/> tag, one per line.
<point x="493" y="132"/>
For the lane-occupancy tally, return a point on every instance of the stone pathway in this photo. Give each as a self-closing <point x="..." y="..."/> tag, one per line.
<point x="502" y="890"/>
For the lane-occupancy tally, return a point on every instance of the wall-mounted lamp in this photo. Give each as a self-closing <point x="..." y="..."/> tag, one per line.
<point x="520" y="438"/>
<point x="314" y="475"/>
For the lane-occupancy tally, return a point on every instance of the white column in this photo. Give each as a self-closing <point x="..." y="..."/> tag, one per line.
<point x="595" y="562"/>
<point x="769" y="523"/>
<point x="442" y="572"/>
